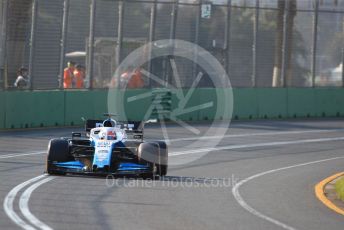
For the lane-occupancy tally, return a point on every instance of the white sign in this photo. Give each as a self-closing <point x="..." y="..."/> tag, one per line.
<point x="206" y="11"/>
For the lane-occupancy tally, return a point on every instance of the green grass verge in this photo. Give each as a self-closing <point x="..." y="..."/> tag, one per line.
<point x="340" y="188"/>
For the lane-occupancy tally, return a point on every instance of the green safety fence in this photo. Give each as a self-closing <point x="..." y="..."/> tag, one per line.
<point x="29" y="109"/>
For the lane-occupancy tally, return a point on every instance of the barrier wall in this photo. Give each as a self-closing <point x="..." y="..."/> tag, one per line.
<point x="25" y="109"/>
<point x="260" y="103"/>
<point x="2" y="110"/>
<point x="34" y="109"/>
<point x="86" y="104"/>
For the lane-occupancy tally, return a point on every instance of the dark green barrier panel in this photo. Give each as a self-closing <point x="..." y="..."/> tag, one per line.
<point x="189" y="105"/>
<point x="93" y="104"/>
<point x="86" y="104"/>
<point x="208" y="104"/>
<point x="2" y="109"/>
<point x="129" y="104"/>
<point x="329" y="102"/>
<point x="182" y="104"/>
<point x="301" y="102"/>
<point x="245" y="104"/>
<point x="225" y="103"/>
<point x="26" y="109"/>
<point x="338" y="101"/>
<point x="19" y="109"/>
<point x="99" y="103"/>
<point x="215" y="104"/>
<point x="49" y="108"/>
<point x="272" y="102"/>
<point x="137" y="104"/>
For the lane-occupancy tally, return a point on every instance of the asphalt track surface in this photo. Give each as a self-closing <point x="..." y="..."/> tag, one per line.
<point x="260" y="176"/>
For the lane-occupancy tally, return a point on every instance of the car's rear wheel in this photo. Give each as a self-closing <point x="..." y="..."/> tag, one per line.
<point x="163" y="159"/>
<point x="58" y="151"/>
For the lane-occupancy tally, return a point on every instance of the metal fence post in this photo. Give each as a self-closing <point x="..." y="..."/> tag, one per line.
<point x="32" y="41"/>
<point x="63" y="41"/>
<point x="119" y="39"/>
<point x="173" y="25"/>
<point x="3" y="35"/>
<point x="151" y="36"/>
<point x="228" y="34"/>
<point x="285" y="44"/>
<point x="314" y="42"/>
<point x="174" y="19"/>
<point x="90" y="59"/>
<point x="196" y="41"/>
<point x="254" y="45"/>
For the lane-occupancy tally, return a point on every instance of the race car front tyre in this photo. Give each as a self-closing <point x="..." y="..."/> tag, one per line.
<point x="154" y="153"/>
<point x="58" y="151"/>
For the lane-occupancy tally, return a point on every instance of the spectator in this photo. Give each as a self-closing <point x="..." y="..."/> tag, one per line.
<point x="68" y="75"/>
<point x="131" y="79"/>
<point x="22" y="81"/>
<point x="79" y="76"/>
<point x="136" y="80"/>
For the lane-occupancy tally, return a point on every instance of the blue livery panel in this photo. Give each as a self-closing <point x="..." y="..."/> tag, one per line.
<point x="102" y="153"/>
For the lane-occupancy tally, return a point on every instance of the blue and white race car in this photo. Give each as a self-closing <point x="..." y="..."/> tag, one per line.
<point x="109" y="147"/>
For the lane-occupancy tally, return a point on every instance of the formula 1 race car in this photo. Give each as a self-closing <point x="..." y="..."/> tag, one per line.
<point x="108" y="147"/>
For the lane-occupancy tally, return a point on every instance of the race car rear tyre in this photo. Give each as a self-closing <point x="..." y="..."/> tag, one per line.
<point x="163" y="160"/>
<point x="156" y="154"/>
<point x="58" y="151"/>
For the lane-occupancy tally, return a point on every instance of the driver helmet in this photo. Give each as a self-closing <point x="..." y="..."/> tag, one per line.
<point x="109" y="123"/>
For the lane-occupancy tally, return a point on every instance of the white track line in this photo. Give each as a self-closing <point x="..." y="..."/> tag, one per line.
<point x="206" y="138"/>
<point x="20" y="155"/>
<point x="24" y="204"/>
<point x="255" y="134"/>
<point x="278" y="143"/>
<point x="242" y="203"/>
<point x="229" y="147"/>
<point x="9" y="200"/>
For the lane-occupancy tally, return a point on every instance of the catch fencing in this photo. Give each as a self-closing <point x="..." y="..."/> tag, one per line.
<point x="260" y="43"/>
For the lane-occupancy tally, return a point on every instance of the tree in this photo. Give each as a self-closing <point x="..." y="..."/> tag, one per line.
<point x="291" y="13"/>
<point x="276" y="81"/>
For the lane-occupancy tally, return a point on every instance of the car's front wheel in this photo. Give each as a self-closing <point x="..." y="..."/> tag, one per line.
<point x="58" y="151"/>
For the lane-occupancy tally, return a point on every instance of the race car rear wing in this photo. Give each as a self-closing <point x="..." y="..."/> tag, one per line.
<point x="90" y="124"/>
<point x="132" y="128"/>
